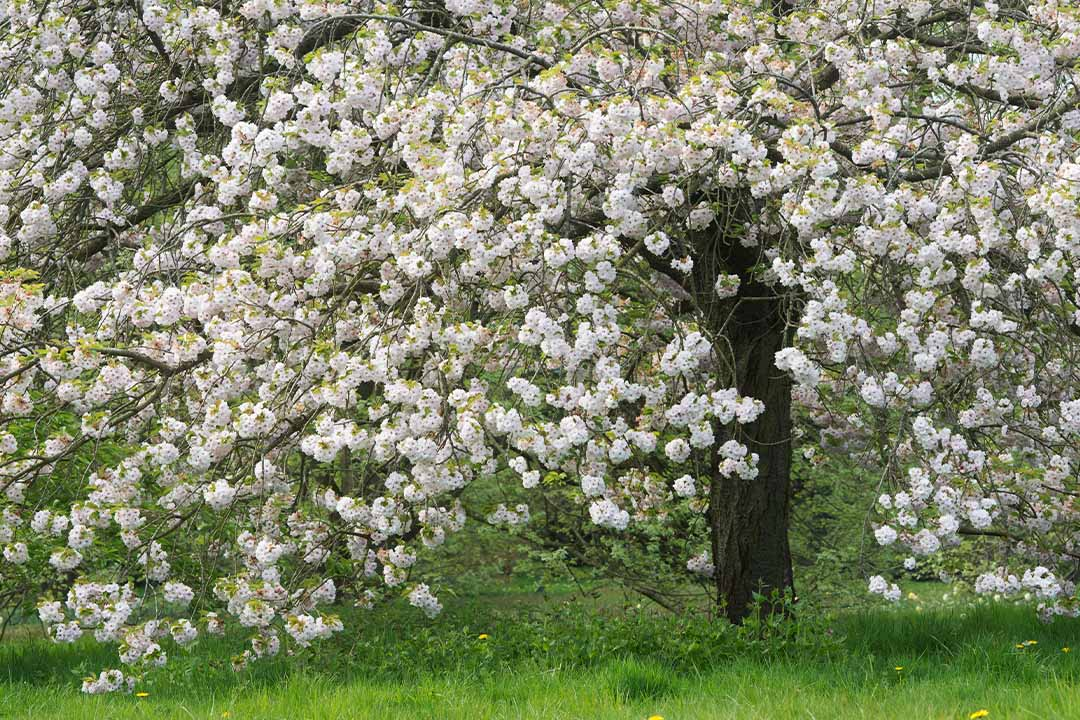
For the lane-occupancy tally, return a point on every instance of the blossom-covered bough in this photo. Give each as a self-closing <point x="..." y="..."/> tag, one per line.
<point x="281" y="279"/>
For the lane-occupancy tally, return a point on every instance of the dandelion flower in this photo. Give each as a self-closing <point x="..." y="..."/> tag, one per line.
<point x="898" y="668"/>
<point x="482" y="636"/>
<point x="978" y="714"/>
<point x="1064" y="649"/>
<point x="142" y="694"/>
<point x="656" y="717"/>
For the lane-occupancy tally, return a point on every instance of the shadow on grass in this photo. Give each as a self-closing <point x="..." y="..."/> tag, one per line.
<point x="640" y="656"/>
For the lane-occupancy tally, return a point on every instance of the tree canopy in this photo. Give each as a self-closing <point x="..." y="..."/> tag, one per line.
<point x="281" y="279"/>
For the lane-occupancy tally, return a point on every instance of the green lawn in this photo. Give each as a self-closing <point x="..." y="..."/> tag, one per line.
<point x="557" y="661"/>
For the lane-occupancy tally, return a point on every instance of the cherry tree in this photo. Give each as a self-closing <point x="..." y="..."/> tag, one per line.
<point x="282" y="279"/>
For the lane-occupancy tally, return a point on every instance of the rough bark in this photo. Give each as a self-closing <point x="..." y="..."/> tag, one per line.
<point x="749" y="518"/>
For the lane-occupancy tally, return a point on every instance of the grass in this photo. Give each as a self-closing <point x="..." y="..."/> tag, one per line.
<point x="555" y="661"/>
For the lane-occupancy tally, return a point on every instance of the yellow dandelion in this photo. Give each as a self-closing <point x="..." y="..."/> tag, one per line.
<point x="656" y="717"/>
<point x="978" y="714"/>
<point x="142" y="694"/>
<point x="898" y="668"/>
<point x="1020" y="646"/>
<point x="1064" y="649"/>
<point x="482" y="636"/>
<point x="1031" y="642"/>
<point x="226" y="714"/>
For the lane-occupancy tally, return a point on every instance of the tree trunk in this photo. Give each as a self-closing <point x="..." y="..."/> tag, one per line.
<point x="749" y="518"/>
